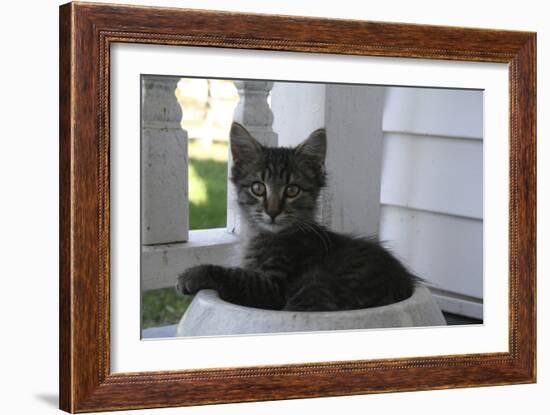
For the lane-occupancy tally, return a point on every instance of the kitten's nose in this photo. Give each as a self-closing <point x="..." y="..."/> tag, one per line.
<point x="273" y="208"/>
<point x="273" y="215"/>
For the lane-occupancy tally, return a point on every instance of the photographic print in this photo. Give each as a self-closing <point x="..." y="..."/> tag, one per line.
<point x="271" y="206"/>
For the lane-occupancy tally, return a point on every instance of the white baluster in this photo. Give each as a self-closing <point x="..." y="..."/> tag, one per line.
<point x="254" y="112"/>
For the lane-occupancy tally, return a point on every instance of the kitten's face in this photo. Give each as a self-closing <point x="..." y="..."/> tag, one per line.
<point x="277" y="188"/>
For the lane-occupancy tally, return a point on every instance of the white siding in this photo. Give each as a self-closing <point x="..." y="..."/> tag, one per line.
<point x="445" y="250"/>
<point x="443" y="112"/>
<point x="433" y="173"/>
<point x="432" y="190"/>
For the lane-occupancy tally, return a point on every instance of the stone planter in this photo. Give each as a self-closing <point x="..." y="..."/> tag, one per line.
<point x="209" y="315"/>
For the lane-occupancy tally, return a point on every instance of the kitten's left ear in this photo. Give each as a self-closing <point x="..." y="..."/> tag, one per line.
<point x="315" y="147"/>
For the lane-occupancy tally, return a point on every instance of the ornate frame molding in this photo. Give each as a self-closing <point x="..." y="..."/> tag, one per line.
<point x="86" y="33"/>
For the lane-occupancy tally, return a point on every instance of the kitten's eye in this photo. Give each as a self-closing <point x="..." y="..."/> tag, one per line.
<point x="258" y="188"/>
<point x="292" y="190"/>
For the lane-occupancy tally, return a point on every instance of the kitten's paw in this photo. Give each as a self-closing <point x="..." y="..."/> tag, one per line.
<point x="194" y="279"/>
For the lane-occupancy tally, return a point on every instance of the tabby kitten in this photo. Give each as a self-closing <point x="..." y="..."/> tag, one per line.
<point x="291" y="262"/>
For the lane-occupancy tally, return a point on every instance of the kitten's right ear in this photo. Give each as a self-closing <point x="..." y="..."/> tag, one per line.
<point x="243" y="146"/>
<point x="314" y="147"/>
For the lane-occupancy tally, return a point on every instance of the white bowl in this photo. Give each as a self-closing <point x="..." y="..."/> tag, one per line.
<point x="209" y="315"/>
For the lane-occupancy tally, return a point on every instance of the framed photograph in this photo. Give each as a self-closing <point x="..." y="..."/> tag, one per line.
<point x="258" y="207"/>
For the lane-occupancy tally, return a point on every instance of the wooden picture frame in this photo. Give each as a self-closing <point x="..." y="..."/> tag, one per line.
<point x="86" y="33"/>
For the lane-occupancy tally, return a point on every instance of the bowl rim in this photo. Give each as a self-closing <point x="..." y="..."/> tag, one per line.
<point x="211" y="297"/>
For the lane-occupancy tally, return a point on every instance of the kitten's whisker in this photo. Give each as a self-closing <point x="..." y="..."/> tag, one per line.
<point x="320" y="231"/>
<point x="304" y="225"/>
<point x="297" y="223"/>
<point x="319" y="235"/>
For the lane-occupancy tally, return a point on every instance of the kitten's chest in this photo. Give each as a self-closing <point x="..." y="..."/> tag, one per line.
<point x="290" y="255"/>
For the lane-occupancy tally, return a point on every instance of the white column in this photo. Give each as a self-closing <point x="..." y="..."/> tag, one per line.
<point x="164" y="186"/>
<point x="298" y="110"/>
<point x="353" y="119"/>
<point x="352" y="116"/>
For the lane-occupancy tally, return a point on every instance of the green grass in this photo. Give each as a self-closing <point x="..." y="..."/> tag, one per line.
<point x="162" y="307"/>
<point x="207" y="209"/>
<point x="207" y="185"/>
